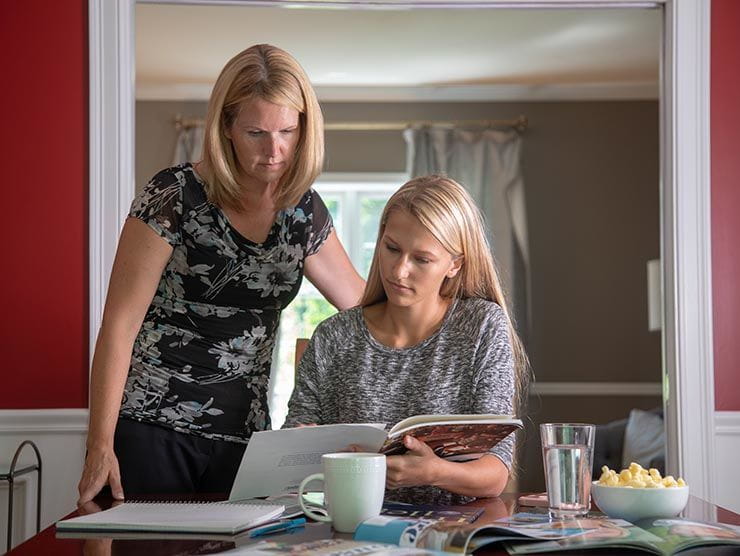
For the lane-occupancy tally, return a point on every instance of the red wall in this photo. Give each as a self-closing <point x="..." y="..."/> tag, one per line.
<point x="725" y="122"/>
<point x="43" y="276"/>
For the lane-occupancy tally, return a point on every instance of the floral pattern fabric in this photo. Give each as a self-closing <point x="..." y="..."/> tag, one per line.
<point x="201" y="361"/>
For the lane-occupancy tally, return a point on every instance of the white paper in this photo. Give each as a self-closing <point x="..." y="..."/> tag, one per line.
<point x="276" y="462"/>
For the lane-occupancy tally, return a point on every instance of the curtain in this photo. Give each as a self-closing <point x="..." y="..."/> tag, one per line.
<point x="189" y="145"/>
<point x="486" y="162"/>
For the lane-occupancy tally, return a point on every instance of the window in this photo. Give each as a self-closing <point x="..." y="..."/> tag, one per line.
<point x="355" y="202"/>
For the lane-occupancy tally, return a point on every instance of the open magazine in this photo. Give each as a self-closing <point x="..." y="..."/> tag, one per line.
<point x="527" y="533"/>
<point x="315" y="500"/>
<point x="326" y="547"/>
<point x="452" y="437"/>
<point x="522" y="533"/>
<point x="277" y="461"/>
<point x="387" y="535"/>
<point x="455" y="514"/>
<point x="657" y="536"/>
<point x="461" y="538"/>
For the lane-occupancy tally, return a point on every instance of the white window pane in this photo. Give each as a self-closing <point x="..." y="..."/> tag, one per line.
<point x="298" y="320"/>
<point x="370" y="210"/>
<point x="367" y="259"/>
<point x="355" y="208"/>
<point x="334" y="204"/>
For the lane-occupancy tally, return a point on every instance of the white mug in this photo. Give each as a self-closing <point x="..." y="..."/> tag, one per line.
<point x="354" y="485"/>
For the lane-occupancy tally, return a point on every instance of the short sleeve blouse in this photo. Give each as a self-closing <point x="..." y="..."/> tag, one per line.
<point x="201" y="361"/>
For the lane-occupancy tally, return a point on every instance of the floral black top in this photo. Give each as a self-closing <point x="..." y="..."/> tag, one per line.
<point x="201" y="361"/>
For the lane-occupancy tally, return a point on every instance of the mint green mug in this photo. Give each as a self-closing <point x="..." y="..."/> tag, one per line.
<point x="354" y="485"/>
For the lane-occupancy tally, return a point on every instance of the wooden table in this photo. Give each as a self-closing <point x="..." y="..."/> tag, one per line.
<point x="47" y="542"/>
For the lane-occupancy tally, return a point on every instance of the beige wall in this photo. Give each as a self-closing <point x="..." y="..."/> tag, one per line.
<point x="156" y="134"/>
<point x="592" y="183"/>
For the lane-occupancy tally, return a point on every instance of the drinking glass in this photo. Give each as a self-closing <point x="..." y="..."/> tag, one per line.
<point x="567" y="454"/>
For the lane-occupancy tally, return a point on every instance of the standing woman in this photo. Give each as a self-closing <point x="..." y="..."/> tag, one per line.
<point x="209" y="256"/>
<point x="433" y="335"/>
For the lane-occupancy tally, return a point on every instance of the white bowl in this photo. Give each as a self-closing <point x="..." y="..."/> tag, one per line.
<point x="639" y="503"/>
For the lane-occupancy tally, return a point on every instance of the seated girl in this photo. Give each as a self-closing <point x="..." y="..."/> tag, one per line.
<point x="432" y="335"/>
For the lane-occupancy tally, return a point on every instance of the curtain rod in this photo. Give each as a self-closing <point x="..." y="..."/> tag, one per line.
<point x="187" y="123"/>
<point x="520" y="123"/>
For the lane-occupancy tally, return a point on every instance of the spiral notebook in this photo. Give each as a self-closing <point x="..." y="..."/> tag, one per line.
<point x="225" y="518"/>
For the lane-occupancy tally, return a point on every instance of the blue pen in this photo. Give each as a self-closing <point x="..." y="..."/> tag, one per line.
<point x="280" y="526"/>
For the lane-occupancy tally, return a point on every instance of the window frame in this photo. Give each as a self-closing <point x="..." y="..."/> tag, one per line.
<point x="350" y="187"/>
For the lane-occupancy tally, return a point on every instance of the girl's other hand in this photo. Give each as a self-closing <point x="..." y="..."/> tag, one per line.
<point x="416" y="467"/>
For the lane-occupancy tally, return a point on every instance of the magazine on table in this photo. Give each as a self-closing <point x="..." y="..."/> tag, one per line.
<point x="454" y="514"/>
<point x="328" y="547"/>
<point x="459" y="514"/>
<point x="458" y="538"/>
<point x="277" y="461"/>
<point x="657" y="536"/>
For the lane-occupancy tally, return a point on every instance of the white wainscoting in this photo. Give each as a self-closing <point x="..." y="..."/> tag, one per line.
<point x="24" y="510"/>
<point x="60" y="437"/>
<point x="727" y="456"/>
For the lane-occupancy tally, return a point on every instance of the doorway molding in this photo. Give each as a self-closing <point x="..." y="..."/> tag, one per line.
<point x="688" y="370"/>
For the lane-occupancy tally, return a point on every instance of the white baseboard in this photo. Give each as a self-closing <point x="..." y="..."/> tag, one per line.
<point x="727" y="452"/>
<point x="60" y="437"/>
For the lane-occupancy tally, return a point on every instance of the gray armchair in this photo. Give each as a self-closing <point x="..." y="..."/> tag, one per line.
<point x="613" y="438"/>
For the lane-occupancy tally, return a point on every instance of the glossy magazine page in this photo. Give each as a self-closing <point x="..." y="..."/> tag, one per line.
<point x="656" y="536"/>
<point x="458" y="537"/>
<point x="457" y="441"/>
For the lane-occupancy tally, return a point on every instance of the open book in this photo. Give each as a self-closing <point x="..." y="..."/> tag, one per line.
<point x="277" y="461"/>
<point x="187" y="517"/>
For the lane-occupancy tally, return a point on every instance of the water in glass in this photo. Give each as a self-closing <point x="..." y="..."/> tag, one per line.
<point x="568" y="476"/>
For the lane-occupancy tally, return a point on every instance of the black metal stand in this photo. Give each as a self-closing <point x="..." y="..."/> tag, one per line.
<point x="10" y="477"/>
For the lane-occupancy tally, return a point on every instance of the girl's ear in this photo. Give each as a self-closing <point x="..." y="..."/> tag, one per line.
<point x="455" y="268"/>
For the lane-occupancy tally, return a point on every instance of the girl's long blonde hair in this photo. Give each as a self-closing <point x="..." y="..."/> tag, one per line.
<point x="447" y="211"/>
<point x="271" y="74"/>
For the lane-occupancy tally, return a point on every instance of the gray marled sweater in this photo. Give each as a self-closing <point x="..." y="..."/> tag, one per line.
<point x="347" y="376"/>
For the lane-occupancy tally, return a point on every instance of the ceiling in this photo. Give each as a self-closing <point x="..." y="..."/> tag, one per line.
<point x="402" y="54"/>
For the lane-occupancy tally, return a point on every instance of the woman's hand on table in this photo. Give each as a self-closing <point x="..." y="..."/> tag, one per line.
<point x="101" y="468"/>
<point x="97" y="547"/>
<point x="416" y="467"/>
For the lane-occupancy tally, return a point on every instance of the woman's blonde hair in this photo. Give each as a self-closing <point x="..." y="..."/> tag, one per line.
<point x="271" y="74"/>
<point x="447" y="211"/>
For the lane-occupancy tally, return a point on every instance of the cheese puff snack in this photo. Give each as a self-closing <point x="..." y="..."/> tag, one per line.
<point x="636" y="476"/>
